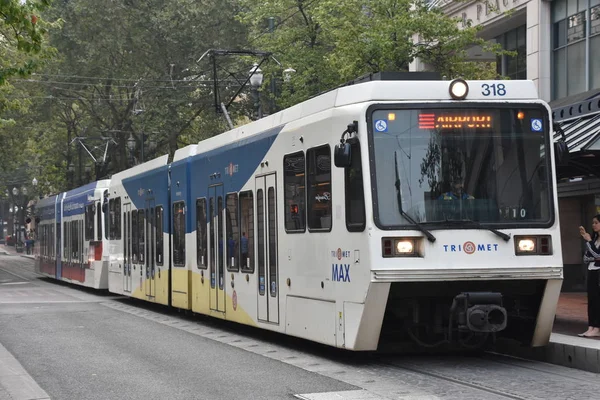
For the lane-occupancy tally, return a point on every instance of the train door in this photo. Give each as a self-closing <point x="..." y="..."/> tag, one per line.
<point x="127" y="249"/>
<point x="216" y="259"/>
<point x="266" y="214"/>
<point x="59" y="252"/>
<point x="150" y="245"/>
<point x="58" y="244"/>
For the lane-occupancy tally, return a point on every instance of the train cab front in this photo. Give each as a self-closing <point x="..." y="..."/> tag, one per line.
<point x="466" y="230"/>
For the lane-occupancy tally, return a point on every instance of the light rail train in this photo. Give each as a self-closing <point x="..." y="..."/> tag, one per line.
<point x="417" y="212"/>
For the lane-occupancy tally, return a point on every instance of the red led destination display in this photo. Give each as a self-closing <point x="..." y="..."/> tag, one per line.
<point x="453" y="121"/>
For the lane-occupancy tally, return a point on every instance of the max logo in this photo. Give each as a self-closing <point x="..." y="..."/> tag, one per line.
<point x="340" y="272"/>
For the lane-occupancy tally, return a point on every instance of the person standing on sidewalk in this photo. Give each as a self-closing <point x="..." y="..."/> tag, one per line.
<point x="592" y="257"/>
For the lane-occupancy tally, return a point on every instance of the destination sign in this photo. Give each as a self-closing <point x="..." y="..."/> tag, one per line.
<point x="454" y="121"/>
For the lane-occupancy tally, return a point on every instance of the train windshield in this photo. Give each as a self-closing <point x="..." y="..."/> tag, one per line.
<point x="445" y="166"/>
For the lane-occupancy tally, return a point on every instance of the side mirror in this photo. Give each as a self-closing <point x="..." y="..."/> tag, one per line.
<point x="104" y="208"/>
<point x="343" y="155"/>
<point x="37" y="220"/>
<point x="28" y="220"/>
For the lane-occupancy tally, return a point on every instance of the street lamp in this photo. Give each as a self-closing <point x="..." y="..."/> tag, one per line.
<point x="131" y="147"/>
<point x="287" y="74"/>
<point x="88" y="173"/>
<point x="256" y="79"/>
<point x="70" y="174"/>
<point x="34" y="182"/>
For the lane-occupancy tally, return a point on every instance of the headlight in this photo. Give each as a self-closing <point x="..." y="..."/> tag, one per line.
<point x="401" y="247"/>
<point x="404" y="246"/>
<point x="526" y="245"/>
<point x="533" y="245"/>
<point x="459" y="89"/>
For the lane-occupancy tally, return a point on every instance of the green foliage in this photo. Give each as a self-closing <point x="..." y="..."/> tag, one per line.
<point x="330" y="42"/>
<point x="127" y="70"/>
<point x="22" y="33"/>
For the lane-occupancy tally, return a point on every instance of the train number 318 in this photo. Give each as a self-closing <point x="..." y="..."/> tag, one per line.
<point x="493" y="89"/>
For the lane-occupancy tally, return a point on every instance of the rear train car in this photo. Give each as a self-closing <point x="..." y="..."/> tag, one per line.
<point x="47" y="251"/>
<point x="73" y="242"/>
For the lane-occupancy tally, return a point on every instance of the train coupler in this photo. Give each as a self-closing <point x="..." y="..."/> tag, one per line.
<point x="479" y="312"/>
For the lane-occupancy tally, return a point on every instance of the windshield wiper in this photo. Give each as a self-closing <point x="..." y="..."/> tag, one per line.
<point x="477" y="224"/>
<point x="430" y="237"/>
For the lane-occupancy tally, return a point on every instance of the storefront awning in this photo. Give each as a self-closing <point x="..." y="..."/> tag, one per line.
<point x="581" y="134"/>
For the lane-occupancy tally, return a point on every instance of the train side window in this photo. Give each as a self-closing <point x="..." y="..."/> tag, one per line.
<point x="111" y="219"/>
<point x="319" y="188"/>
<point x="142" y="235"/>
<point x="179" y="234"/>
<point x="159" y="235"/>
<point x="233" y="232"/>
<point x="355" y="196"/>
<point x="107" y="221"/>
<point x="89" y="222"/>
<point x="246" y="206"/>
<point x="201" y="248"/>
<point x="260" y="232"/>
<point x="294" y="175"/>
<point x="118" y="218"/>
<point x="272" y="240"/>
<point x="134" y="236"/>
<point x="99" y="220"/>
<point x="74" y="241"/>
<point x="127" y="241"/>
<point x="80" y="241"/>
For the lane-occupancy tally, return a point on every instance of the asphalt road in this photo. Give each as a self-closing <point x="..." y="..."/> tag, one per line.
<point x="78" y="344"/>
<point x="76" y="348"/>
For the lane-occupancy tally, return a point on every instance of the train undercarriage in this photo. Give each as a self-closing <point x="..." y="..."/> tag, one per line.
<point x="460" y="314"/>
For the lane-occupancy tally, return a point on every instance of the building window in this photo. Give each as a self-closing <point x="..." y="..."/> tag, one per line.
<point x="319" y="188"/>
<point x="294" y="192"/>
<point x="595" y="45"/>
<point x="513" y="67"/>
<point x="576" y="46"/>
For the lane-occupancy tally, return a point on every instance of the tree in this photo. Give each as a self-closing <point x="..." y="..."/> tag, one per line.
<point x="127" y="70"/>
<point x="23" y="48"/>
<point x="330" y="42"/>
<point x="21" y="34"/>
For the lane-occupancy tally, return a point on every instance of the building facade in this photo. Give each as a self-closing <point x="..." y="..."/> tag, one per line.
<point x="557" y="46"/>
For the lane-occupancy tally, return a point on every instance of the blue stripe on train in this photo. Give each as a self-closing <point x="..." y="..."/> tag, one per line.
<point x="231" y="165"/>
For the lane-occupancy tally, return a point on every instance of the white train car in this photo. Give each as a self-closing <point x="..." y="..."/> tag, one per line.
<point x="47" y="250"/>
<point x="84" y="259"/>
<point x="137" y="215"/>
<point x="419" y="212"/>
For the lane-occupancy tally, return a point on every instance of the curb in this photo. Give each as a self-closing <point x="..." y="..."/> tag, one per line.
<point x="565" y="350"/>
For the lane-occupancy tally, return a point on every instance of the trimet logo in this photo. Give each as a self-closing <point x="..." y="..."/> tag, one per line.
<point x="470" y="247"/>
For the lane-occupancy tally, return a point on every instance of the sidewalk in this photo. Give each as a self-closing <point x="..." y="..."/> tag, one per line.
<point x="571" y="314"/>
<point x="565" y="348"/>
<point x="10" y="250"/>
